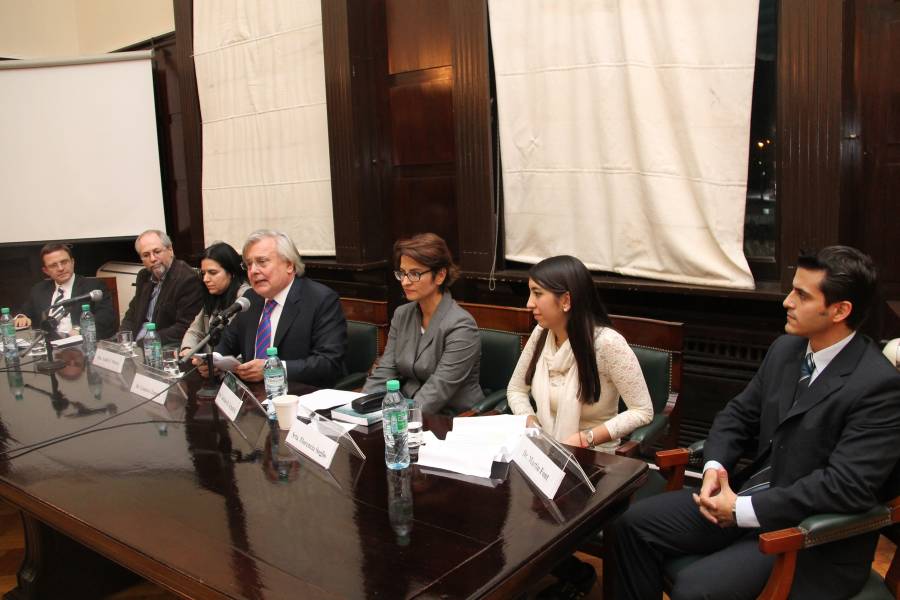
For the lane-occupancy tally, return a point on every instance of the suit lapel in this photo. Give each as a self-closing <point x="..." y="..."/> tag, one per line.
<point x="832" y="378"/>
<point x="434" y="324"/>
<point x="790" y="376"/>
<point x="290" y="310"/>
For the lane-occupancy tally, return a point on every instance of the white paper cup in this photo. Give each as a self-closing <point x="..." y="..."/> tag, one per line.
<point x="286" y="410"/>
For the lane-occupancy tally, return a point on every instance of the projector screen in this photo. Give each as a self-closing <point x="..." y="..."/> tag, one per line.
<point x="78" y="149"/>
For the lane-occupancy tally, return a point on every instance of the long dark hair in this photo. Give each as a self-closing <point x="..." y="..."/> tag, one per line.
<point x="230" y="260"/>
<point x="561" y="274"/>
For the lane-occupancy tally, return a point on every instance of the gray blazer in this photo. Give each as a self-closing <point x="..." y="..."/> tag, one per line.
<point x="438" y="368"/>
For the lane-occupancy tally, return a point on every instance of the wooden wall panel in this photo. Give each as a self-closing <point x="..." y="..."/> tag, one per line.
<point x="422" y="122"/>
<point x="418" y="36"/>
<point x="810" y="127"/>
<point x="475" y="184"/>
<point x="425" y="203"/>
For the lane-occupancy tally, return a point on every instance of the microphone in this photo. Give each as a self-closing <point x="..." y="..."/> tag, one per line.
<point x="240" y="305"/>
<point x="93" y="296"/>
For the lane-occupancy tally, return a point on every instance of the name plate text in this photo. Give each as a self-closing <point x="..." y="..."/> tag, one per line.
<point x="309" y="442"/>
<point x="538" y="468"/>
<point x="108" y="360"/>
<point x="149" y="388"/>
<point x="228" y="402"/>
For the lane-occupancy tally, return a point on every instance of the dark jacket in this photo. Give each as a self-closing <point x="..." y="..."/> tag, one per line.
<point x="104" y="314"/>
<point x="179" y="301"/>
<point x="834" y="451"/>
<point x="311" y="337"/>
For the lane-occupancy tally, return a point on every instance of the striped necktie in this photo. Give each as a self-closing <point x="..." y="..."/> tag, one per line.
<point x="264" y="331"/>
<point x="807" y="368"/>
<point x="56" y="312"/>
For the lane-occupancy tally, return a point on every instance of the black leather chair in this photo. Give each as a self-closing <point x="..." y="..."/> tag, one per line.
<point x="500" y="352"/>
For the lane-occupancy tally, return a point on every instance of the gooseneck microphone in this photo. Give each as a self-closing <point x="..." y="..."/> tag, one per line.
<point x="93" y="296"/>
<point x="240" y="305"/>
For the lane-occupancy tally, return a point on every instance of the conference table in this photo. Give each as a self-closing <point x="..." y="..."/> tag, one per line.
<point x="111" y="484"/>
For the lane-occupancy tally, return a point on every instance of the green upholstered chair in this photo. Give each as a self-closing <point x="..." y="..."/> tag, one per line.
<point x="362" y="350"/>
<point x="787" y="543"/>
<point x="658" y="348"/>
<point x="504" y="331"/>
<point x="366" y="336"/>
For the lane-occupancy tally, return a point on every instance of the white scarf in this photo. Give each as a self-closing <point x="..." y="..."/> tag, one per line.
<point x="560" y="368"/>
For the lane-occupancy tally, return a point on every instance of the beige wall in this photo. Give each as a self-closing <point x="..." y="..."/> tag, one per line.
<point x="55" y="28"/>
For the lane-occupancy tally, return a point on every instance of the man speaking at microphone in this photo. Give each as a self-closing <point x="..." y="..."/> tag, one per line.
<point x="59" y="266"/>
<point x="300" y="317"/>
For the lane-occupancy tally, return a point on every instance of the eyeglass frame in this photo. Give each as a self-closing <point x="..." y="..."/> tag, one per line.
<point x="157" y="252"/>
<point x="261" y="262"/>
<point x="60" y="264"/>
<point x="412" y="276"/>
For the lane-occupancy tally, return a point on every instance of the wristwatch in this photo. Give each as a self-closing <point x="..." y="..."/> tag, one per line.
<point x="589" y="436"/>
<point x="734" y="512"/>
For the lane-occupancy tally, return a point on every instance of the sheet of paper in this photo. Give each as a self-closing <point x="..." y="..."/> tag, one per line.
<point x="459" y="458"/>
<point x="325" y="399"/>
<point x="502" y="424"/>
<point x="223" y="363"/>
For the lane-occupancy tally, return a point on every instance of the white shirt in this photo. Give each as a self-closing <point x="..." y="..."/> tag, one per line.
<point x="65" y="323"/>
<point x="280" y="298"/>
<point x="743" y="506"/>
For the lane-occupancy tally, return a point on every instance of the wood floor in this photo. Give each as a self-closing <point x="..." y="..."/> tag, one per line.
<point x="12" y="550"/>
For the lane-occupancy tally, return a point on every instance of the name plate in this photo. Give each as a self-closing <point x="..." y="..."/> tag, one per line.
<point x="228" y="402"/>
<point x="538" y="467"/>
<point x="149" y="388"/>
<point x="108" y="360"/>
<point x="308" y="441"/>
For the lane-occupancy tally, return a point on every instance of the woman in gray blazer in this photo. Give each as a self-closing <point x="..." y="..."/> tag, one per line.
<point x="433" y="347"/>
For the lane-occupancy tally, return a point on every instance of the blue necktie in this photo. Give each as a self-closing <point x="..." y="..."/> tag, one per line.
<point x="264" y="331"/>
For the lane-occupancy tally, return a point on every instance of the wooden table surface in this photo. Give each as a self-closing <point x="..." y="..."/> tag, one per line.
<point x="179" y="495"/>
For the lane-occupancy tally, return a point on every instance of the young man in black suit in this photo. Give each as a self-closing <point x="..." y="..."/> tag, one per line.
<point x="63" y="284"/>
<point x="303" y="318"/>
<point x="823" y="414"/>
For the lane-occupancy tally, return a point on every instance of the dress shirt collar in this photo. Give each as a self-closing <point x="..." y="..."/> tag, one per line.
<point x="823" y="357"/>
<point x="66" y="287"/>
<point x="281" y="297"/>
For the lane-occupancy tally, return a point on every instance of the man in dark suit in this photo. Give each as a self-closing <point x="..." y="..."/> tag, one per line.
<point x="300" y="317"/>
<point x="823" y="414"/>
<point x="168" y="293"/>
<point x="59" y="266"/>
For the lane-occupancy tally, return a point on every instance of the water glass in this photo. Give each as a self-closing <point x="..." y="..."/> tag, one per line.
<point x="170" y="361"/>
<point x="414" y="427"/>
<point x="125" y="339"/>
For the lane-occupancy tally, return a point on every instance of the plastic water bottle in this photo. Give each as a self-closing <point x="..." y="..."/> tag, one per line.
<point x="274" y="376"/>
<point x="152" y="348"/>
<point x="394" y="412"/>
<point x="88" y="329"/>
<point x="16" y="382"/>
<point x="8" y="329"/>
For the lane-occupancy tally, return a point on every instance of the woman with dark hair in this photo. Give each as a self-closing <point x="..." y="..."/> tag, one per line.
<point x="225" y="281"/>
<point x="433" y="346"/>
<point x="575" y="365"/>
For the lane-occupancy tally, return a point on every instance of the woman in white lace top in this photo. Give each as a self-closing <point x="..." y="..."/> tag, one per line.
<point x="574" y="364"/>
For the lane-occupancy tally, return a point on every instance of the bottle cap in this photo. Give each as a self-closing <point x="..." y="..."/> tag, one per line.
<point x="4" y="310"/>
<point x="151" y="326"/>
<point x="85" y="307"/>
<point x="273" y="351"/>
<point x="393" y="385"/>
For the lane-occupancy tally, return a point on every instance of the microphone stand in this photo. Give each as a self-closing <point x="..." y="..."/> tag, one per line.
<point x="210" y="388"/>
<point x="48" y="332"/>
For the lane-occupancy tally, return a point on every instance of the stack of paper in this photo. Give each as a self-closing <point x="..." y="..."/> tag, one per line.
<point x="474" y="444"/>
<point x="323" y="400"/>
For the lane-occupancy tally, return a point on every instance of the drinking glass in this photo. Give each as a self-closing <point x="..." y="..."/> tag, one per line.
<point x="126" y="340"/>
<point x="414" y="427"/>
<point x="170" y="361"/>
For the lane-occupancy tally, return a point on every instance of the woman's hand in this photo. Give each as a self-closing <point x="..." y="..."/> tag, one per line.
<point x="532" y="421"/>
<point x="576" y="439"/>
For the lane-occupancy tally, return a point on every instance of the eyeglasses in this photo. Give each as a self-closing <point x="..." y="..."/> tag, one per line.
<point x="62" y="264"/>
<point x="157" y="252"/>
<point x="261" y="263"/>
<point x="413" y="276"/>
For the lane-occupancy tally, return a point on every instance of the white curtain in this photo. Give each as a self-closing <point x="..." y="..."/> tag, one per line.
<point x="261" y="81"/>
<point x="624" y="133"/>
